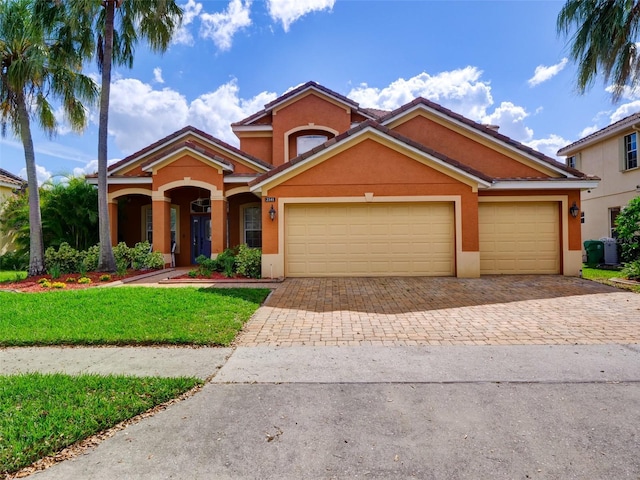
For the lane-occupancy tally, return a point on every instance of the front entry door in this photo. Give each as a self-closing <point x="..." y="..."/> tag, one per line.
<point x="200" y="237"/>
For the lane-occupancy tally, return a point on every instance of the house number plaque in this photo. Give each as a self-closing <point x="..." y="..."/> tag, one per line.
<point x="269" y="199"/>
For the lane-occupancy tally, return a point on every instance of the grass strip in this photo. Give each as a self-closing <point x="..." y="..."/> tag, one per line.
<point x="12" y="276"/>
<point x="127" y="316"/>
<point x="41" y="414"/>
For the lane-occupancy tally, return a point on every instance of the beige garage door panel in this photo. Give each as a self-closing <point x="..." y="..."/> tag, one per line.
<point x="369" y="239"/>
<point x="519" y="238"/>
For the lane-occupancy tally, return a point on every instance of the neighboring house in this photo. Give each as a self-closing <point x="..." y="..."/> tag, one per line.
<point x="9" y="183"/>
<point x="327" y="188"/>
<point x="612" y="155"/>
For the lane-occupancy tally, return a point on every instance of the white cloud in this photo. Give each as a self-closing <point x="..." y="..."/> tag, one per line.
<point x="215" y="111"/>
<point x="549" y="146"/>
<point x="221" y="27"/>
<point x="544" y="73"/>
<point x="588" y="131"/>
<point x="510" y="118"/>
<point x="459" y="90"/>
<point x="625" y="110"/>
<point x="42" y="174"/>
<point x="182" y="35"/>
<point x="288" y="11"/>
<point x="157" y="75"/>
<point x="462" y="91"/>
<point x="140" y="115"/>
<point x="91" y="167"/>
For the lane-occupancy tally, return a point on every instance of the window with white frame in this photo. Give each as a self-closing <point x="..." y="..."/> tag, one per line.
<point x="613" y="214"/>
<point x="148" y="225"/>
<point x="631" y="151"/>
<point x="252" y="226"/>
<point x="304" y="143"/>
<point x="147" y="222"/>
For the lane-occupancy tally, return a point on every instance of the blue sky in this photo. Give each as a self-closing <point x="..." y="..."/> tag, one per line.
<point x="498" y="62"/>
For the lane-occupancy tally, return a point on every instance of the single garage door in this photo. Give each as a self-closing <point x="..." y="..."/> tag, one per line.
<point x="519" y="238"/>
<point x="369" y="240"/>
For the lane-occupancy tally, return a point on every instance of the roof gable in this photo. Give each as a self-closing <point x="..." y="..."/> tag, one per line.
<point x="303" y="90"/>
<point x="187" y="138"/>
<point x="8" y="179"/>
<point x="627" y="123"/>
<point x="371" y="130"/>
<point x="481" y="133"/>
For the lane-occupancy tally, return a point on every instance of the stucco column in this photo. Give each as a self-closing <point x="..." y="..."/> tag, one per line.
<point x="467" y="237"/>
<point x="161" y="207"/>
<point x="218" y="223"/>
<point x="113" y="221"/>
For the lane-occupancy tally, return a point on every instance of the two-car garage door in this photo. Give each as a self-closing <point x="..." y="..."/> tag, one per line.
<point x="369" y="239"/>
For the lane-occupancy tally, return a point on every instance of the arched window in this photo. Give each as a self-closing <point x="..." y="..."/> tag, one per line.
<point x="304" y="143"/>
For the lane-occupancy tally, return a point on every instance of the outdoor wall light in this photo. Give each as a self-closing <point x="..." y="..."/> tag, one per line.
<point x="272" y="213"/>
<point x="574" y="210"/>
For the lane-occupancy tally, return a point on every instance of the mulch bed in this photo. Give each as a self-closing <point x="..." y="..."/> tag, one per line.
<point x="70" y="280"/>
<point x="217" y="276"/>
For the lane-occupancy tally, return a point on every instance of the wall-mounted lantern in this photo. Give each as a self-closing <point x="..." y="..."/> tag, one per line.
<point x="574" y="210"/>
<point x="272" y="213"/>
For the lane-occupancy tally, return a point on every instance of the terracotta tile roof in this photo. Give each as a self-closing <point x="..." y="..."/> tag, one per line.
<point x="177" y="134"/>
<point x="603" y="133"/>
<point x="488" y="130"/>
<point x="188" y="144"/>
<point x="376" y="112"/>
<point x="8" y="177"/>
<point x="370" y="113"/>
<point x="375" y="125"/>
<point x="548" y="179"/>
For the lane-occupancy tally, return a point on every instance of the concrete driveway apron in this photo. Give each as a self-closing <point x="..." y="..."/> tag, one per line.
<point x="492" y="310"/>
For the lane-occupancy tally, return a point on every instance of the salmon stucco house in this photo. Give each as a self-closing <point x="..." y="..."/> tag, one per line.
<point x="327" y="188"/>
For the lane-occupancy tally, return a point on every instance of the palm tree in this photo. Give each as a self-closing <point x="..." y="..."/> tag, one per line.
<point x="34" y="69"/>
<point x="112" y="28"/>
<point x="604" y="41"/>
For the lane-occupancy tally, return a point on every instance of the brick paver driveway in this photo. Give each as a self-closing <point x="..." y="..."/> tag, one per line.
<point x="499" y="310"/>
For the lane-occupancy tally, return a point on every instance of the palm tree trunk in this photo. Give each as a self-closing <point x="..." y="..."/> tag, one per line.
<point x="107" y="261"/>
<point x="36" y="242"/>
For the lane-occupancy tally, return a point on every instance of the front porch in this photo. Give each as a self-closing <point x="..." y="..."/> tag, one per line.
<point x="187" y="221"/>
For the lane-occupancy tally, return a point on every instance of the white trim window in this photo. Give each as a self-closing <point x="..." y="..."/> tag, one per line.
<point x="252" y="225"/>
<point x="147" y="225"/>
<point x="304" y="143"/>
<point x="613" y="214"/>
<point x="631" y="151"/>
<point x="574" y="161"/>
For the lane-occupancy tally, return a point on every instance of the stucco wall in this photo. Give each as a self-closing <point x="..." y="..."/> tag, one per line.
<point x="616" y="188"/>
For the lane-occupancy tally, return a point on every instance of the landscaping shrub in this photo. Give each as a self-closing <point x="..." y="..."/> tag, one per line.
<point x="206" y="265"/>
<point x="226" y="262"/>
<point x="249" y="261"/>
<point x="122" y="253"/>
<point x="142" y="258"/>
<point x="628" y="231"/>
<point x="91" y="258"/>
<point x="67" y="259"/>
<point x="631" y="270"/>
<point x="14" y="261"/>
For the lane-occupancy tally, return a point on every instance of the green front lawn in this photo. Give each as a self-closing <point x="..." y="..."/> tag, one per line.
<point x="127" y="316"/>
<point x="42" y="414"/>
<point x="599" y="275"/>
<point x="11" y="275"/>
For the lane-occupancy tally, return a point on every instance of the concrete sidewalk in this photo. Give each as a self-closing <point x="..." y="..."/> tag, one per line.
<point x="446" y="412"/>
<point x="202" y="363"/>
